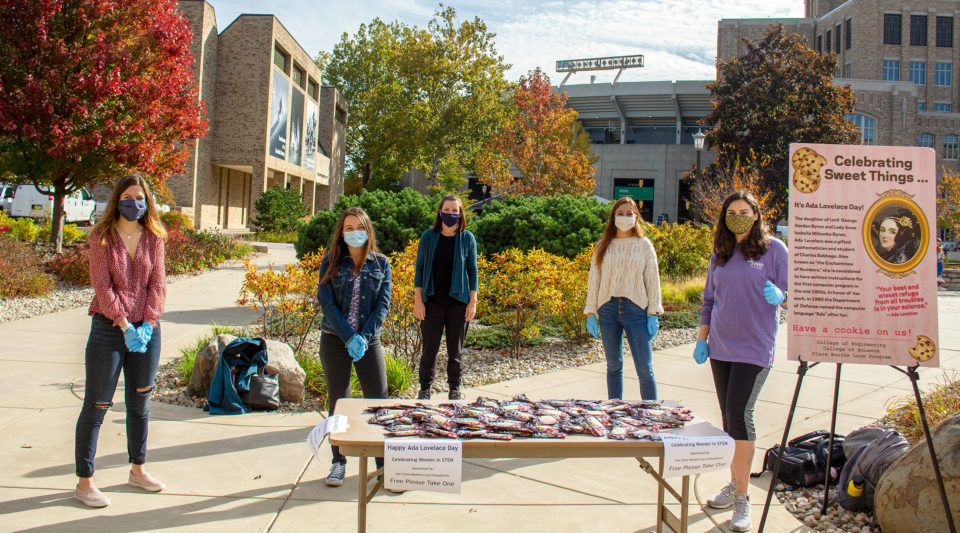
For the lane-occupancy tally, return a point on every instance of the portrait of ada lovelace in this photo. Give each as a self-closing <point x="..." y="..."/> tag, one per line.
<point x="896" y="236"/>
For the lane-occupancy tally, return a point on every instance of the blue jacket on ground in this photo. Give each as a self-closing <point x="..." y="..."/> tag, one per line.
<point x="464" y="278"/>
<point x="239" y="360"/>
<point x="334" y="297"/>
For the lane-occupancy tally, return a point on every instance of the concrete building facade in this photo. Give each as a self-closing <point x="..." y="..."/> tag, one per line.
<point x="898" y="57"/>
<point x="270" y="121"/>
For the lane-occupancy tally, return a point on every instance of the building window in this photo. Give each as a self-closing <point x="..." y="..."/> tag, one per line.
<point x="846" y="70"/>
<point x="918" y="72"/>
<point x="281" y="59"/>
<point x="837" y="40"/>
<point x="848" y="43"/>
<point x="340" y="116"/>
<point x="918" y="30"/>
<point x="299" y="76"/>
<point x="950" y="145"/>
<point x="891" y="70"/>
<point x="925" y="140"/>
<point x="921" y="106"/>
<point x="942" y="74"/>
<point x="829" y="40"/>
<point x="867" y="127"/>
<point x="819" y="44"/>
<point x="313" y="89"/>
<point x="944" y="32"/>
<point x="942" y="108"/>
<point x="891" y="28"/>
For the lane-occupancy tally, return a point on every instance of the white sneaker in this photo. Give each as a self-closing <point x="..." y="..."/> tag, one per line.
<point x="741" y="513"/>
<point x="725" y="498"/>
<point x="146" y="482"/>
<point x="91" y="497"/>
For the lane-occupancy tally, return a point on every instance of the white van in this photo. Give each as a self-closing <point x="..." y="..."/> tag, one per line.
<point x="29" y="202"/>
<point x="6" y="197"/>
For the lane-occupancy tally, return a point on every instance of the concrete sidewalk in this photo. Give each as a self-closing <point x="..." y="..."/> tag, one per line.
<point x="254" y="472"/>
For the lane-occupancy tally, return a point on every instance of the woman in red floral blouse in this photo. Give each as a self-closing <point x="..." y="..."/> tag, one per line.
<point x="127" y="274"/>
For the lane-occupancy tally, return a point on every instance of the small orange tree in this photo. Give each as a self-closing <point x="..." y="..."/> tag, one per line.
<point x="286" y="299"/>
<point x="948" y="200"/>
<point x="401" y="328"/>
<point x="572" y="288"/>
<point x="716" y="182"/>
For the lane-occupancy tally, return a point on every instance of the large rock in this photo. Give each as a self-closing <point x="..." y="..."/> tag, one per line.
<point x="907" y="498"/>
<point x="279" y="356"/>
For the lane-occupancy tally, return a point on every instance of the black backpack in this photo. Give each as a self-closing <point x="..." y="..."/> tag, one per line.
<point x="804" y="461"/>
<point x="872" y="450"/>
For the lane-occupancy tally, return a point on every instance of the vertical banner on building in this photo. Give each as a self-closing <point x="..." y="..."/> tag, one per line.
<point x="310" y="128"/>
<point x="863" y="285"/>
<point x="296" y="127"/>
<point x="279" y="111"/>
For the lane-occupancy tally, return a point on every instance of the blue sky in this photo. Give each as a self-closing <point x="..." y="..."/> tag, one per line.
<point x="677" y="37"/>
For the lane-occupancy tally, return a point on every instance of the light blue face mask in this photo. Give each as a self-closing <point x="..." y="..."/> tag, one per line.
<point x="355" y="239"/>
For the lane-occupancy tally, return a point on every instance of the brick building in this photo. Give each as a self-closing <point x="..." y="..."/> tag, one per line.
<point x="271" y="123"/>
<point x="898" y="57"/>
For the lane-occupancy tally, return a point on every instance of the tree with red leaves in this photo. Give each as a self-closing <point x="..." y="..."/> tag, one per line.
<point x="542" y="140"/>
<point x="93" y="89"/>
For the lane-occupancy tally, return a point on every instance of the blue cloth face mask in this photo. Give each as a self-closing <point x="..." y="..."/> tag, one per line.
<point x="132" y="210"/>
<point x="450" y="219"/>
<point x="355" y="239"/>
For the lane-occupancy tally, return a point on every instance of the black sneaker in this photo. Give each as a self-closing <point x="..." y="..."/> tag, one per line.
<point x="455" y="394"/>
<point x="335" y="477"/>
<point x="424" y="394"/>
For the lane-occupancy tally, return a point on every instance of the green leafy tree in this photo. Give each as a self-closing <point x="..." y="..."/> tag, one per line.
<point x="279" y="209"/>
<point x="779" y="92"/>
<point x="948" y="200"/>
<point x="419" y="98"/>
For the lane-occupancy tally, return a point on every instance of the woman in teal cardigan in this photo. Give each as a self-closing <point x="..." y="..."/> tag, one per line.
<point x="445" y="287"/>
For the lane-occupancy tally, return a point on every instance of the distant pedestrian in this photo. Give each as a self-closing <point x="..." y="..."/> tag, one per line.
<point x="623" y="297"/>
<point x="746" y="284"/>
<point x="445" y="292"/>
<point x="354" y="294"/>
<point x="126" y="254"/>
<point x="941" y="261"/>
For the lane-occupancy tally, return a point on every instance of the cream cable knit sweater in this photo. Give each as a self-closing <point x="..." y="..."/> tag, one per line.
<point x="629" y="270"/>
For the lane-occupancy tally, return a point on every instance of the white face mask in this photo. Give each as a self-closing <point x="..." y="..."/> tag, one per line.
<point x="625" y="223"/>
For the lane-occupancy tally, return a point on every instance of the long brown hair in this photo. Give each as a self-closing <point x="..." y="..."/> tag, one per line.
<point x="338" y="249"/>
<point x="149" y="221"/>
<point x="724" y="240"/>
<point x="438" y="222"/>
<point x="610" y="231"/>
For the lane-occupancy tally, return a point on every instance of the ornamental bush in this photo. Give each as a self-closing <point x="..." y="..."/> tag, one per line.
<point x="72" y="265"/>
<point x="401" y="329"/>
<point x="572" y="285"/>
<point x="683" y="250"/>
<point x="398" y="218"/>
<point x="279" y="209"/>
<point x="561" y="224"/>
<point x="20" y="271"/>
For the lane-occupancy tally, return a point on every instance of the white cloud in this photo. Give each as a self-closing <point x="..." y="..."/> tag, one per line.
<point x="677" y="38"/>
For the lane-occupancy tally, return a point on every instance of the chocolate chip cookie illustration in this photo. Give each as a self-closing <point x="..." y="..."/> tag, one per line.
<point x="924" y="350"/>
<point x="806" y="169"/>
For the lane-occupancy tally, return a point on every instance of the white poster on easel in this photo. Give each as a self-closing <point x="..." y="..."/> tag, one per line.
<point x="422" y="464"/>
<point x="683" y="456"/>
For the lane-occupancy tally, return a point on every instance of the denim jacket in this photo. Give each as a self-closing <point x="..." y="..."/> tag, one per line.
<point x="334" y="297"/>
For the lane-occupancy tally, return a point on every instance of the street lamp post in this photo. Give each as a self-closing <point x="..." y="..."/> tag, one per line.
<point x="698" y="138"/>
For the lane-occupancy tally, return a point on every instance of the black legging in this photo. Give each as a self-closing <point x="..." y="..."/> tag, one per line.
<point x="738" y="385"/>
<point x="336" y="363"/>
<point x="449" y="315"/>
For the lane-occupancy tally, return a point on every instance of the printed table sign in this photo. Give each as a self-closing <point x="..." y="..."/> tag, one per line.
<point x="333" y="424"/>
<point x="863" y="285"/>
<point x="422" y="464"/>
<point x="683" y="456"/>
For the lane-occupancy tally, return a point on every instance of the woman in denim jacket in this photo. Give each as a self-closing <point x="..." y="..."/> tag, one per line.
<point x="354" y="294"/>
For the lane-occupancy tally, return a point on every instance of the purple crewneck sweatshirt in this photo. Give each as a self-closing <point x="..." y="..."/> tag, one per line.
<point x="743" y="326"/>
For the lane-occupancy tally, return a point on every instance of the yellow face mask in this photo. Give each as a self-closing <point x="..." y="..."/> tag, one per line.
<point x="739" y="224"/>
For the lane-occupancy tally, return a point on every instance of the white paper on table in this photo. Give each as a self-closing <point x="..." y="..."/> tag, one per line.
<point x="423" y="464"/>
<point x="684" y="455"/>
<point x="333" y="424"/>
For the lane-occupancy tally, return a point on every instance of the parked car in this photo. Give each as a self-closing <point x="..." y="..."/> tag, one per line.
<point x="6" y="197"/>
<point x="29" y="202"/>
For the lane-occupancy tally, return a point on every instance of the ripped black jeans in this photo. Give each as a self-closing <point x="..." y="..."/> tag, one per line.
<point x="106" y="356"/>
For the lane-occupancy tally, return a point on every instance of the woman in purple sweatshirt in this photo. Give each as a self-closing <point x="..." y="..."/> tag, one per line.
<point x="746" y="284"/>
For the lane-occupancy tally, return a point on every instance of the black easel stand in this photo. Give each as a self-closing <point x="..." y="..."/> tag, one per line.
<point x="911" y="372"/>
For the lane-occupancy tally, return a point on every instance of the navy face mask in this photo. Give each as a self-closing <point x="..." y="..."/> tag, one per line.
<point x="450" y="219"/>
<point x="132" y="210"/>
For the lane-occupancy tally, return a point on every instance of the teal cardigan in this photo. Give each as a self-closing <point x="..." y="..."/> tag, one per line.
<point x="464" y="278"/>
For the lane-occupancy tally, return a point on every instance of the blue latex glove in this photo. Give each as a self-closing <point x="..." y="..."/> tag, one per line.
<point x="133" y="341"/>
<point x="593" y="327"/>
<point x="701" y="352"/>
<point x="145" y="331"/>
<point x="653" y="325"/>
<point x="356" y="346"/>
<point x="773" y="294"/>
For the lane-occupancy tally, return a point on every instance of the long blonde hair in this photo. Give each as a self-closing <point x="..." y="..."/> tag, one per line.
<point x="610" y="232"/>
<point x="339" y="250"/>
<point x="149" y="221"/>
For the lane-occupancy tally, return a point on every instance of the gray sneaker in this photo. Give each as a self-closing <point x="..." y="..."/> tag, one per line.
<point x="335" y="477"/>
<point x="424" y="394"/>
<point x="725" y="498"/>
<point x="741" y="513"/>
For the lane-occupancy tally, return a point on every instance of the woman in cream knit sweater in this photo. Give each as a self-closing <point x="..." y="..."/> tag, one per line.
<point x="624" y="297"/>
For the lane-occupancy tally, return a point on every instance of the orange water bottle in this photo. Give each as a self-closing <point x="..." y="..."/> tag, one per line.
<point x="855" y="487"/>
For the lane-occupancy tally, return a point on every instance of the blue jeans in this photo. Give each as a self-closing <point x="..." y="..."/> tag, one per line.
<point x="616" y="317"/>
<point x="106" y="356"/>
